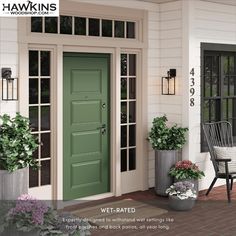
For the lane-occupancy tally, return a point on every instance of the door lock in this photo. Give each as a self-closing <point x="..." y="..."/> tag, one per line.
<point x="103" y="129"/>
<point x="104" y="105"/>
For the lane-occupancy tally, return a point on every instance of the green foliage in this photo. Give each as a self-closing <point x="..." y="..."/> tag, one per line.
<point x="162" y="137"/>
<point x="186" y="170"/>
<point x="186" y="174"/>
<point x="17" y="144"/>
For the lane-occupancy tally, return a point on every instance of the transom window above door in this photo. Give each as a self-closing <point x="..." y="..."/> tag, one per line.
<point x="84" y="26"/>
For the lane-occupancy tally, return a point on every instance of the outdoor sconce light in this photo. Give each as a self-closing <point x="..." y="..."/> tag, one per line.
<point x="168" y="83"/>
<point x="9" y="86"/>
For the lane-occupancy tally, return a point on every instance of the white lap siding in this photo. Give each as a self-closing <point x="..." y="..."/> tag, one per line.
<point x="8" y="57"/>
<point x="164" y="53"/>
<point x="210" y="23"/>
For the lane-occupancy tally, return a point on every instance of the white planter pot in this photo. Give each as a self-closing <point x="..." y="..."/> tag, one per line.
<point x="12" y="185"/>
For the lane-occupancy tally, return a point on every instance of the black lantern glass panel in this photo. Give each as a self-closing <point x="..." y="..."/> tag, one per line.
<point x="168" y="83"/>
<point x="9" y="85"/>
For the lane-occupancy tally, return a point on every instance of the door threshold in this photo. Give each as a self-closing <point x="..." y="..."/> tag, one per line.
<point x="63" y="204"/>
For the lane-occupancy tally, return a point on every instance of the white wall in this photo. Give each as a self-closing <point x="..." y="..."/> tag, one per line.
<point x="153" y="80"/>
<point x="212" y="23"/>
<point x="183" y="25"/>
<point x="8" y="57"/>
<point x="165" y="52"/>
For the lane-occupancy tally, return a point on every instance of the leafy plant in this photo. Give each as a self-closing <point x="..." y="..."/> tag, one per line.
<point x="186" y="170"/>
<point x="182" y="190"/>
<point x="17" y="144"/>
<point x="162" y="137"/>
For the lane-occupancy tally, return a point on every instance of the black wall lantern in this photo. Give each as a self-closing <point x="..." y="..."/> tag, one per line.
<point x="168" y="83"/>
<point x="9" y="85"/>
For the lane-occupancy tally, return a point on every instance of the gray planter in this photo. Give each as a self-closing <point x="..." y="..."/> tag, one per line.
<point x="194" y="181"/>
<point x="181" y="205"/>
<point x="164" y="160"/>
<point x="13" y="184"/>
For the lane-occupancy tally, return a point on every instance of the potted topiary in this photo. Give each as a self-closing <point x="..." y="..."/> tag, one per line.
<point x="17" y="145"/>
<point x="182" y="196"/>
<point x="188" y="171"/>
<point x="165" y="141"/>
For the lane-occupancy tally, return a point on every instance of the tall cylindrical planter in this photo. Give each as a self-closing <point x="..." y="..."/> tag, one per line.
<point x="13" y="184"/>
<point x="164" y="160"/>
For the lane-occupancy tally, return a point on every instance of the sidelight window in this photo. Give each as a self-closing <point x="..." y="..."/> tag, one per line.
<point x="39" y="114"/>
<point x="128" y="112"/>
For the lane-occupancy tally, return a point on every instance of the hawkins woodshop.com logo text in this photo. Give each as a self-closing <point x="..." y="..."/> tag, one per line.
<point x="29" y="8"/>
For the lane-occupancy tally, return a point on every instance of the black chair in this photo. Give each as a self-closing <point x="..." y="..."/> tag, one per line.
<point x="220" y="134"/>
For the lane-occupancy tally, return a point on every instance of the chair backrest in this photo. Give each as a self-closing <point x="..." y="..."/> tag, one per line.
<point x="217" y="134"/>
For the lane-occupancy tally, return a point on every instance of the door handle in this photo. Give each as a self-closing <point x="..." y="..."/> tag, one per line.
<point x="103" y="129"/>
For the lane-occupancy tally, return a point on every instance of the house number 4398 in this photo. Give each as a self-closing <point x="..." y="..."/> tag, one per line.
<point x="192" y="88"/>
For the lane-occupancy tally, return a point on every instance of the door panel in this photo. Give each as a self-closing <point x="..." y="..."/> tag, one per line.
<point x="90" y="81"/>
<point x="86" y="112"/>
<point x="86" y="125"/>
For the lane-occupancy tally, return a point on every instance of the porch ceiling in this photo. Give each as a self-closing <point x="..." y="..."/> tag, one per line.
<point x="227" y="2"/>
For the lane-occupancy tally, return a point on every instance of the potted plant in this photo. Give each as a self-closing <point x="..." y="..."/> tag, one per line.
<point x="182" y="196"/>
<point x="27" y="216"/>
<point x="186" y="170"/>
<point x="17" y="145"/>
<point x="32" y="217"/>
<point x="166" y="141"/>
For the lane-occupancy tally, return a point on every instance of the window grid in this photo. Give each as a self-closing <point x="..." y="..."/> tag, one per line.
<point x="73" y="25"/>
<point x="125" y="28"/>
<point x="39" y="132"/>
<point x="219" y="103"/>
<point x="130" y="164"/>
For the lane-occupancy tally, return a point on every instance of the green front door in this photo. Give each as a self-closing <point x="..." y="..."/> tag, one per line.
<point x="86" y="161"/>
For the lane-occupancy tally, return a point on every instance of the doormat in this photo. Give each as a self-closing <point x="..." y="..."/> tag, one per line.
<point x="120" y="212"/>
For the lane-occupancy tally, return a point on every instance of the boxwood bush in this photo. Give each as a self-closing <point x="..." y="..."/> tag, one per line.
<point x="17" y="144"/>
<point x="163" y="137"/>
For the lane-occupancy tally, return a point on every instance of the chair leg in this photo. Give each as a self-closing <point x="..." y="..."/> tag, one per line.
<point x="232" y="182"/>
<point x="228" y="188"/>
<point x="211" y="186"/>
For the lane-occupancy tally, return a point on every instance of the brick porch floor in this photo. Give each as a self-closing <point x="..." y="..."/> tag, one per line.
<point x="211" y="216"/>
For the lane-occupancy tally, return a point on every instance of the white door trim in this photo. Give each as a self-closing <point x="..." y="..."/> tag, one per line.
<point x="59" y="44"/>
<point x="46" y="192"/>
<point x="57" y="180"/>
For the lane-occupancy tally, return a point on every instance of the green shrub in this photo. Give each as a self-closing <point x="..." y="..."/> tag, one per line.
<point x="17" y="144"/>
<point x="162" y="137"/>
